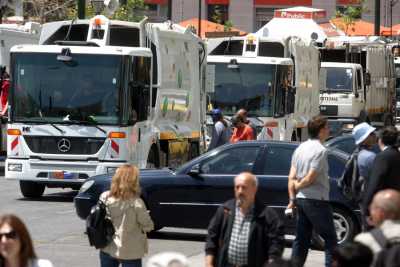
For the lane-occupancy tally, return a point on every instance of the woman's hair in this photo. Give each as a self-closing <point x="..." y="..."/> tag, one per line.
<point x="27" y="251"/>
<point x="125" y="182"/>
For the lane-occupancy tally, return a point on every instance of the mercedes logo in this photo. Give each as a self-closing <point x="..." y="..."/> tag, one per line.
<point x="64" y="145"/>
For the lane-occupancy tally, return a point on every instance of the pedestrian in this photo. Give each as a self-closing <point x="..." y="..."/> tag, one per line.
<point x="386" y="167"/>
<point x="365" y="138"/>
<point x="243" y="113"/>
<point x="243" y="231"/>
<point x="352" y="254"/>
<point x="242" y="131"/>
<point x="309" y="193"/>
<point x="16" y="247"/>
<point x="5" y="86"/>
<point x="130" y="219"/>
<point x="385" y="215"/>
<point x="221" y="131"/>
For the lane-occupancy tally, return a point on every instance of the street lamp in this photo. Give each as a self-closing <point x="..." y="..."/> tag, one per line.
<point x="98" y="6"/>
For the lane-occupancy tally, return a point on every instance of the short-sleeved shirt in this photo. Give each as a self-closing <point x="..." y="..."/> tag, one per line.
<point x="242" y="134"/>
<point x="312" y="155"/>
<point x="365" y="159"/>
<point x="220" y="135"/>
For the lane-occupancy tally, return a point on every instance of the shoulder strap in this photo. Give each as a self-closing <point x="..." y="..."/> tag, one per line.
<point x="378" y="235"/>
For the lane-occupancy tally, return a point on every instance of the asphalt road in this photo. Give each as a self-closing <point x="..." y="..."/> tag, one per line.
<point x="58" y="232"/>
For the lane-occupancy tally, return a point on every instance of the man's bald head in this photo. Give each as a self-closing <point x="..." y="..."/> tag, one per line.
<point x="245" y="188"/>
<point x="385" y="205"/>
<point x="242" y="112"/>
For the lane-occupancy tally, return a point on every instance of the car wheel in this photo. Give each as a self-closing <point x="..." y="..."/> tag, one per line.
<point x="345" y="227"/>
<point x="31" y="189"/>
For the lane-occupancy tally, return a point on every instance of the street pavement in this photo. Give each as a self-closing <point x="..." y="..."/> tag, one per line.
<point x="57" y="232"/>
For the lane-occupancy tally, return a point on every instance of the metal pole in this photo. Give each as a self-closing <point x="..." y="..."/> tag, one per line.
<point x="199" y="26"/>
<point x="81" y="9"/>
<point x="377" y="17"/>
<point x="391" y="19"/>
<point x="169" y="14"/>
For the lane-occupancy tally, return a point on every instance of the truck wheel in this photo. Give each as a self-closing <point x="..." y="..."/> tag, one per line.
<point x="152" y="159"/>
<point x="363" y="117"/>
<point x="31" y="189"/>
<point x="387" y="119"/>
<point x="194" y="150"/>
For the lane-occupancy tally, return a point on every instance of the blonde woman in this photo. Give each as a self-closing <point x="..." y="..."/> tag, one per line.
<point x="130" y="218"/>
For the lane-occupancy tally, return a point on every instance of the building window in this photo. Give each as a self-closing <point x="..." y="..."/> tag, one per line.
<point x="152" y="7"/>
<point x="263" y="16"/>
<point x="218" y="13"/>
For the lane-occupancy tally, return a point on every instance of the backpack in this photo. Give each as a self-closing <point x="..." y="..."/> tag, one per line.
<point x="351" y="183"/>
<point x="99" y="227"/>
<point x="389" y="256"/>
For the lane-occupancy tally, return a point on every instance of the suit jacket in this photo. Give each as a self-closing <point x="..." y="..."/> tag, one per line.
<point x="266" y="240"/>
<point x="385" y="174"/>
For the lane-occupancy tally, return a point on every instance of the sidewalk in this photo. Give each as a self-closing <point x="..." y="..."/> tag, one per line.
<point x="315" y="258"/>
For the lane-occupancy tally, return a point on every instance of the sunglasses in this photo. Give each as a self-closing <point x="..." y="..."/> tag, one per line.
<point x="9" y="235"/>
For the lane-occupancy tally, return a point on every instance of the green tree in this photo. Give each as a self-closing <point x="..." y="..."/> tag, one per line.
<point x="132" y="11"/>
<point x="350" y="14"/>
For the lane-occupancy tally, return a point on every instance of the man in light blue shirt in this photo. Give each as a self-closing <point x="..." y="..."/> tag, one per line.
<point x="365" y="139"/>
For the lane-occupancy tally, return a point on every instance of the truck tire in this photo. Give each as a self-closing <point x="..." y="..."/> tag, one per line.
<point x="31" y="189"/>
<point x="387" y="119"/>
<point x="152" y="159"/>
<point x="363" y="117"/>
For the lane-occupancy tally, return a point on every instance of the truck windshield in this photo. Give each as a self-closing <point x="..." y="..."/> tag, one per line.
<point x="248" y="86"/>
<point x="46" y="90"/>
<point x="336" y="79"/>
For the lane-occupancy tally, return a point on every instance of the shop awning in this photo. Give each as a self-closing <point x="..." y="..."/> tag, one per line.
<point x="284" y="2"/>
<point x="217" y="2"/>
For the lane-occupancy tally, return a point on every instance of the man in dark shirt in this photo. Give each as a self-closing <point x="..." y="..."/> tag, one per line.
<point x="243" y="232"/>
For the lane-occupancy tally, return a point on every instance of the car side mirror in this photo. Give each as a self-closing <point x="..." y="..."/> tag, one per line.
<point x="195" y="170"/>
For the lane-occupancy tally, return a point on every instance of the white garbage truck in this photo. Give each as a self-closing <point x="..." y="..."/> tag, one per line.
<point x="357" y="84"/>
<point x="99" y="93"/>
<point x="10" y="35"/>
<point x="274" y="79"/>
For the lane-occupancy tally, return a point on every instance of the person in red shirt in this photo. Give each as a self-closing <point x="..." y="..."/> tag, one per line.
<point x="242" y="131"/>
<point x="5" y="86"/>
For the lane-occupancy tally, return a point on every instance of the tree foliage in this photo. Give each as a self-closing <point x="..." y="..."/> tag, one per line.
<point x="350" y="14"/>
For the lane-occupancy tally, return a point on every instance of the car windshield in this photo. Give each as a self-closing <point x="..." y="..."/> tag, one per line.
<point x="336" y="79"/>
<point x="248" y="86"/>
<point x="47" y="90"/>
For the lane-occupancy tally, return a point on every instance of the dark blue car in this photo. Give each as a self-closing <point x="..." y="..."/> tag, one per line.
<point x="189" y="196"/>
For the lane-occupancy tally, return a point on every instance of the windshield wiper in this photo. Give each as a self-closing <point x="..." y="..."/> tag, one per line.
<point x="90" y="122"/>
<point x="58" y="128"/>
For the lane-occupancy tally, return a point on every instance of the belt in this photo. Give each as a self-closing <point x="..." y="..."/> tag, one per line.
<point x="235" y="265"/>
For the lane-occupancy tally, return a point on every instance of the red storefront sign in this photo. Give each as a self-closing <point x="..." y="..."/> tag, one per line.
<point x="348" y="2"/>
<point x="284" y="2"/>
<point x="300" y="14"/>
<point x="156" y="2"/>
<point x="217" y="2"/>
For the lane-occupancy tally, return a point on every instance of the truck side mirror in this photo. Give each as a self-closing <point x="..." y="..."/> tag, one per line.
<point x="356" y="94"/>
<point x="367" y="78"/>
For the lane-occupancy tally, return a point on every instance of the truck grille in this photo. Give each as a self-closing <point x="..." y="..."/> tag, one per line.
<point x="64" y="144"/>
<point x="328" y="110"/>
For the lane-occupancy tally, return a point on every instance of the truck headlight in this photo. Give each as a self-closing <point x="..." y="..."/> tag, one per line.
<point x="15" y="167"/>
<point x="86" y="186"/>
<point x="111" y="169"/>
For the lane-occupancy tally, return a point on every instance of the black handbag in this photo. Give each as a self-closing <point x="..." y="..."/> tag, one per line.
<point x="99" y="228"/>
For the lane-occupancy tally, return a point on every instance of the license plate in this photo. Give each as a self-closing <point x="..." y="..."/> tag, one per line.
<point x="63" y="175"/>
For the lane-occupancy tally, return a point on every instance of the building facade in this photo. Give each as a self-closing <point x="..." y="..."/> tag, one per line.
<point x="250" y="15"/>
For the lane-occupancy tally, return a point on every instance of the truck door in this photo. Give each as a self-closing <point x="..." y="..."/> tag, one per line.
<point x="139" y="99"/>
